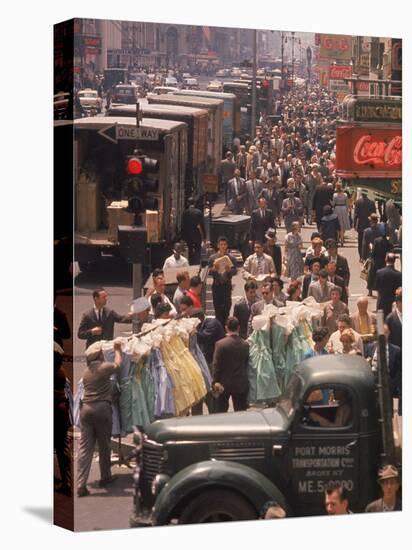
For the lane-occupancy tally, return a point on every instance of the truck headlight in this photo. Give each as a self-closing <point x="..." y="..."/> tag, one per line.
<point x="158" y="483"/>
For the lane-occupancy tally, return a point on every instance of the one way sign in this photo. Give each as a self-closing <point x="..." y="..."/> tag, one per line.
<point x="115" y="132"/>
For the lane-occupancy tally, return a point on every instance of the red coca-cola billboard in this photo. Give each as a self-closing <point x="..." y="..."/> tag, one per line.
<point x="339" y="72"/>
<point x="368" y="152"/>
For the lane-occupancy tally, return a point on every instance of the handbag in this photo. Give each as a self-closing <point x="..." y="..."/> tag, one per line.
<point x="365" y="269"/>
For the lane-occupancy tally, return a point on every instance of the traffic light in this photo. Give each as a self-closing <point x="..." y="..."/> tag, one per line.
<point x="141" y="183"/>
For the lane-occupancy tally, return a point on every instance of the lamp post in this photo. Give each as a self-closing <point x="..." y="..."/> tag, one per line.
<point x="253" y="122"/>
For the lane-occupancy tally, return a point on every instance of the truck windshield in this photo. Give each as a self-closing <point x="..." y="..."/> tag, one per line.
<point x="288" y="402"/>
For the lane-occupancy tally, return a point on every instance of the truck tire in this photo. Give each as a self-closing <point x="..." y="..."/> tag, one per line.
<point x="216" y="506"/>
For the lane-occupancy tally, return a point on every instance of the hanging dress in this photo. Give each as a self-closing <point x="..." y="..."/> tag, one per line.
<point x="263" y="384"/>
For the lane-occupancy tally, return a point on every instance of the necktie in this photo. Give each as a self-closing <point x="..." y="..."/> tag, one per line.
<point x="253" y="187"/>
<point x="260" y="265"/>
<point x="99" y="315"/>
<point x="261" y="213"/>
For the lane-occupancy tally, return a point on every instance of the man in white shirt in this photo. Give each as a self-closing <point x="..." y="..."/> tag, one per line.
<point x="258" y="264"/>
<point x="176" y="259"/>
<point x="335" y="345"/>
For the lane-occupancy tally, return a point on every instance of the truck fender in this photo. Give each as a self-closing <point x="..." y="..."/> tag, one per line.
<point x="256" y="488"/>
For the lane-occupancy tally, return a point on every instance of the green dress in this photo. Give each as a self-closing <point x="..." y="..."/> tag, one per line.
<point x="263" y="383"/>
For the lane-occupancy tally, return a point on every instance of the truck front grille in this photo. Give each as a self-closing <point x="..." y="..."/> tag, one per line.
<point x="152" y="461"/>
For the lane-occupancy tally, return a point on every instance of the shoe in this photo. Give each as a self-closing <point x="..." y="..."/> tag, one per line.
<point x="107" y="481"/>
<point x="83" y="492"/>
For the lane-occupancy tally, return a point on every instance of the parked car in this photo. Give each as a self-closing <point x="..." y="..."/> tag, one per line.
<point x="190" y="84"/>
<point x="90" y="100"/>
<point x="221" y="73"/>
<point x="215" y="86"/>
<point x="235" y="72"/>
<point x="186" y="75"/>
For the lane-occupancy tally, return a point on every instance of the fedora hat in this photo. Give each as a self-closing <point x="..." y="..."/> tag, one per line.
<point x="388" y="472"/>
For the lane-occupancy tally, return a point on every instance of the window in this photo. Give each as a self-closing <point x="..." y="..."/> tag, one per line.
<point x="330" y="407"/>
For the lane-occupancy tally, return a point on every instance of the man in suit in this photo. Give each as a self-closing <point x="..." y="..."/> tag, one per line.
<point x="261" y="220"/>
<point x="388" y="479"/>
<point x="237" y="193"/>
<point x="320" y="290"/>
<point x="98" y="323"/>
<point x="342" y="266"/>
<point x="364" y="207"/>
<point x="370" y="234"/>
<point x="363" y="321"/>
<point x="242" y="309"/>
<point x="227" y="169"/>
<point x="258" y="264"/>
<point x="230" y="363"/>
<point x="322" y="197"/>
<point x="254" y="187"/>
<point x="193" y="231"/>
<point x="292" y="208"/>
<point x="274" y="202"/>
<point x="209" y="332"/>
<point x="394" y="320"/>
<point x="258" y="307"/>
<point x="394" y="358"/>
<point x="333" y="309"/>
<point x="265" y="170"/>
<point x="337" y="281"/>
<point x="282" y="172"/>
<point x="388" y="279"/>
<point x="315" y="265"/>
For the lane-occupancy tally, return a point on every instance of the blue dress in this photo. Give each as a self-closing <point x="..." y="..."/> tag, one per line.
<point x="263" y="383"/>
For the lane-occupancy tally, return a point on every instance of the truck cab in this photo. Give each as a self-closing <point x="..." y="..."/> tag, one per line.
<point x="226" y="467"/>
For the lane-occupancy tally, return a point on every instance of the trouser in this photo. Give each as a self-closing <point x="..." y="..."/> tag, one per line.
<point x="62" y="444"/>
<point x="222" y="302"/>
<point x="210" y="404"/>
<point x="360" y="239"/>
<point x="239" y="402"/>
<point x="96" y="421"/>
<point x="194" y="252"/>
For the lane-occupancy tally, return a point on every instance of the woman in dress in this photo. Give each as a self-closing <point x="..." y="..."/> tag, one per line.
<point x="340" y="203"/>
<point x="293" y="254"/>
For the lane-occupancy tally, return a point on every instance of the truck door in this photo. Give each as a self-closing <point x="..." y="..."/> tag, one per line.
<point x="324" y="447"/>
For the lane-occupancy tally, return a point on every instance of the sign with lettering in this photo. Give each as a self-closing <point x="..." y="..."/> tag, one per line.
<point x="368" y="152"/>
<point x="340" y="72"/>
<point x="336" y="47"/>
<point x="116" y="132"/>
<point x="314" y="466"/>
<point x="377" y="111"/>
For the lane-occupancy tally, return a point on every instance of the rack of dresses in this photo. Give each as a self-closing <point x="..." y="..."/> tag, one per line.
<point x="163" y="374"/>
<point x="280" y="339"/>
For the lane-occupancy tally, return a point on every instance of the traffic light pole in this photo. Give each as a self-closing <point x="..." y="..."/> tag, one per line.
<point x="137" y="268"/>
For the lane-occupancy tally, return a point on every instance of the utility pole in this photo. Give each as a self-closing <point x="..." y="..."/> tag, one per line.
<point x="293" y="59"/>
<point x="282" y="53"/>
<point x="254" y="69"/>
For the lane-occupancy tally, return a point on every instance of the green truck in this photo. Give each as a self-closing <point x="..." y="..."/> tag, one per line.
<point x="226" y="467"/>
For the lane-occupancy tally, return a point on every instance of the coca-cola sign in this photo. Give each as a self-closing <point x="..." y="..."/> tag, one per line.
<point x="374" y="151"/>
<point x="339" y="72"/>
<point x="368" y="152"/>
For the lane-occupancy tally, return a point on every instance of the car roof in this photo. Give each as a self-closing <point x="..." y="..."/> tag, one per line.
<point x="187" y="99"/>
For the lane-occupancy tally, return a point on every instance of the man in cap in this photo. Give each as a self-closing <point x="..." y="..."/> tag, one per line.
<point x="364" y="207"/>
<point x="176" y="259"/>
<point x="141" y="313"/>
<point x="388" y="479"/>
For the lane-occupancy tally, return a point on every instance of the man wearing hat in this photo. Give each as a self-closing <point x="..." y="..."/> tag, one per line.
<point x="292" y="208"/>
<point x="273" y="250"/>
<point x="388" y="479"/>
<point x="364" y="207"/>
<point x="369" y="235"/>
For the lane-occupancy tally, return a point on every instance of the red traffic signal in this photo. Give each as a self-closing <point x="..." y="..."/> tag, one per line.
<point x="134" y="166"/>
